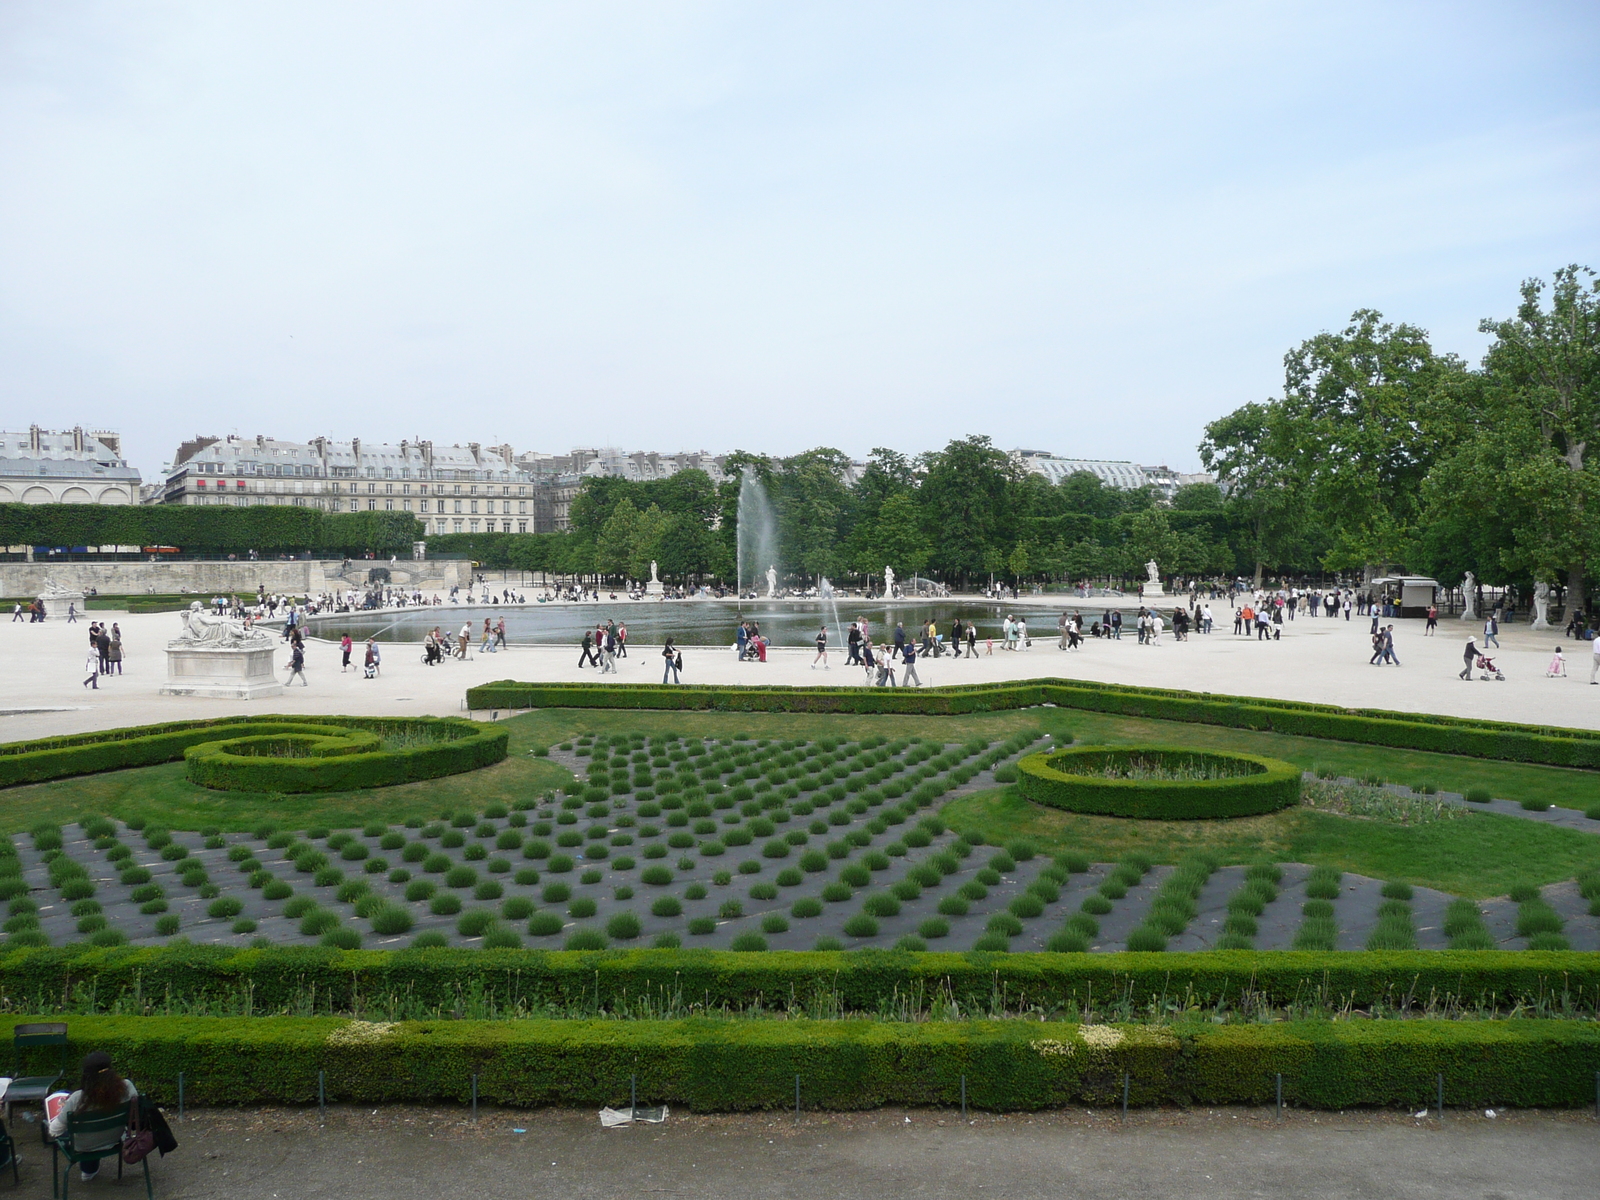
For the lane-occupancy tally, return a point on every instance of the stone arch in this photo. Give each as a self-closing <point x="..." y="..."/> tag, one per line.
<point x="112" y="495"/>
<point x="7" y="496"/>
<point x="37" y="495"/>
<point x="76" y="495"/>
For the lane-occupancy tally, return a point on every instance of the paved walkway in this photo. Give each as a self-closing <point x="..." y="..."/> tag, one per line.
<point x="397" y="1153"/>
<point x="1317" y="660"/>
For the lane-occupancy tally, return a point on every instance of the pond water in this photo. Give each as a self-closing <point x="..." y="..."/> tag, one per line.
<point x="690" y="622"/>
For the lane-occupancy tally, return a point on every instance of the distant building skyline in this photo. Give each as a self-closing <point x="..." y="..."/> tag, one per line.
<point x="74" y="466"/>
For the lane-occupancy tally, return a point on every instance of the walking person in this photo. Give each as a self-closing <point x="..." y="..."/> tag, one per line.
<point x="585" y="655"/>
<point x="346" y="644"/>
<point x="972" y="640"/>
<point x="909" y="656"/>
<point x="372" y="662"/>
<point x="72" y="613"/>
<point x="622" y="640"/>
<point x="102" y="644"/>
<point x="1470" y="655"/>
<point x="1061" y="630"/>
<point x="1388" y="646"/>
<point x="297" y="664"/>
<point x="1116" y="624"/>
<point x="1491" y="633"/>
<point x="672" y="662"/>
<point x="822" y="649"/>
<point x="114" y="653"/>
<point x="1433" y="621"/>
<point x="92" y="665"/>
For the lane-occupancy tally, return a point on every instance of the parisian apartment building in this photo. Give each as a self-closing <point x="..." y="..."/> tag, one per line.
<point x="74" y="466"/>
<point x="451" y="489"/>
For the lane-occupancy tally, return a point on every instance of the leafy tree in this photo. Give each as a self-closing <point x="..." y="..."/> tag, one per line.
<point x="614" y="549"/>
<point x="968" y="502"/>
<point x="897" y="539"/>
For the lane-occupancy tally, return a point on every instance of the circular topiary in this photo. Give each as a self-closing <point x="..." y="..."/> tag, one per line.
<point x="748" y="943"/>
<point x="312" y="754"/>
<point x="1158" y="782"/>
<point x="545" y="924"/>
<point x="587" y="939"/>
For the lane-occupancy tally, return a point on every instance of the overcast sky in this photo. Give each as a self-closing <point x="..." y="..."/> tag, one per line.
<point x="1082" y="228"/>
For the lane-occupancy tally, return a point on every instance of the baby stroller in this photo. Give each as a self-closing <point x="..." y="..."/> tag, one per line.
<point x="1490" y="671"/>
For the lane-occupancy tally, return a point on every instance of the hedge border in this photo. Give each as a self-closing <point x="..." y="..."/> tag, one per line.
<point x="44" y="759"/>
<point x="343" y="758"/>
<point x="1547" y="745"/>
<point x="712" y="1066"/>
<point x="1275" y="785"/>
<point x="281" y="978"/>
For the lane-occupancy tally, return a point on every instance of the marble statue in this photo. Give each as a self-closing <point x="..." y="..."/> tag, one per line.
<point x="205" y="629"/>
<point x="1469" y="597"/>
<point x="772" y="582"/>
<point x="888" y="583"/>
<point x="1541" y="606"/>
<point x="1151" y="570"/>
<point x="653" y="578"/>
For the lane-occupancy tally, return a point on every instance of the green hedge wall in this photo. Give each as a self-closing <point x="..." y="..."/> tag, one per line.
<point x="1552" y="746"/>
<point x="269" y="529"/>
<point x="711" y="1066"/>
<point x="343" y="759"/>
<point x="145" y="745"/>
<point x="281" y="979"/>
<point x="1273" y="785"/>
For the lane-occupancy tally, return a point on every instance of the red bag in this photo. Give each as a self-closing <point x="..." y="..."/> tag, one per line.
<point x="139" y="1140"/>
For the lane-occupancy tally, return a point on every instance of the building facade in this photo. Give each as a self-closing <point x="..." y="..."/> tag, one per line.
<point x="43" y="466"/>
<point x="1111" y="472"/>
<point x="451" y="489"/>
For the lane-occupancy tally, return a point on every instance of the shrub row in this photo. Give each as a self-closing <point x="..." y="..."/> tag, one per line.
<point x="1048" y="779"/>
<point x="844" y="1065"/>
<point x="146" y="745"/>
<point x="1553" y="746"/>
<point x="281" y="978"/>
<point x="331" y="759"/>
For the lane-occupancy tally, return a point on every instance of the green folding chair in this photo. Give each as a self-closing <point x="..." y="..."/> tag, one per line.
<point x="8" y="1152"/>
<point x="26" y="1089"/>
<point x="91" y="1129"/>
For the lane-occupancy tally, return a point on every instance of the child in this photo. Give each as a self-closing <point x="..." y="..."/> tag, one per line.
<point x="1557" y="667"/>
<point x="988" y="647"/>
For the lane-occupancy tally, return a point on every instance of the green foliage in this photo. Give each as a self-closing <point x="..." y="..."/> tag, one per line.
<point x="1062" y="779"/>
<point x="270" y="530"/>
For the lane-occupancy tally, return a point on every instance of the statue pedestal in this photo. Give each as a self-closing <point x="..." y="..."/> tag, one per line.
<point x="57" y="603"/>
<point x="654" y="588"/>
<point x="1154" y="591"/>
<point x="221" y="672"/>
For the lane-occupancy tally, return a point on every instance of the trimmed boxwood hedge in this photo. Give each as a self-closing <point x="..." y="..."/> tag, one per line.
<point x="146" y="745"/>
<point x="330" y="758"/>
<point x="1266" y="785"/>
<point x="281" y="978"/>
<point x="1551" y="745"/>
<point x="844" y="1065"/>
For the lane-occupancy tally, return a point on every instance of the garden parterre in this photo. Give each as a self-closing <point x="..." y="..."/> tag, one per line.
<point x="732" y="842"/>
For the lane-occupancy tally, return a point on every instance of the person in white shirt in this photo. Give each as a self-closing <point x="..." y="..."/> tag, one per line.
<point x="100" y="1089"/>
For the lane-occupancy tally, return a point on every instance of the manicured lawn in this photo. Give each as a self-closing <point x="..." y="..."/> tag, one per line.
<point x="1481" y="854"/>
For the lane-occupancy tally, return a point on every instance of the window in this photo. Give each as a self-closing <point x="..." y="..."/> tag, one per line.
<point x="474" y="509"/>
<point x="406" y="489"/>
<point x="407" y="505"/>
<point x="522" y="506"/>
<point x="457" y="524"/>
<point x="388" y="489"/>
<point x="522" y="527"/>
<point x="371" y="488"/>
<point x="388" y="505"/>
<point x="472" y="526"/>
<point x="372" y="505"/>
<point x="458" y="509"/>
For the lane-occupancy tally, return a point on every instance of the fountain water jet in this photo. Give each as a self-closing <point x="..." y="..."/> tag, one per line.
<point x="757" y="534"/>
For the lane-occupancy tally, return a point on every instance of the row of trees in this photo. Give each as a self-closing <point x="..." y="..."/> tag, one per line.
<point x="961" y="514"/>
<point x="1383" y="453"/>
<point x="210" y="531"/>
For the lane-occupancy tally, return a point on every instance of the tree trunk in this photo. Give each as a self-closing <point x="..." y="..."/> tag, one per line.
<point x="1260" y="570"/>
<point x="1575" y="598"/>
